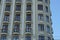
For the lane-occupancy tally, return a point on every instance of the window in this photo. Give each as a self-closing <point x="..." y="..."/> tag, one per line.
<point x="40" y="7"/>
<point x="40" y="27"/>
<point x="0" y="1"/>
<point x="16" y="28"/>
<point x="8" y="0"/>
<point x="49" y="38"/>
<point x="29" y="0"/>
<point x="17" y="17"/>
<point x="46" y="9"/>
<point x="27" y="37"/>
<point x="48" y="29"/>
<point x="40" y="0"/>
<point x="40" y="17"/>
<point x="18" y="0"/>
<point x="41" y="38"/>
<point x="28" y="27"/>
<point x="51" y="30"/>
<point x="46" y="1"/>
<point x="52" y="38"/>
<point x="28" y="17"/>
<point x="3" y="37"/>
<point x="6" y="18"/>
<point x="5" y="28"/>
<point x="47" y="18"/>
<point x="7" y="8"/>
<point x="18" y="7"/>
<point x="15" y="37"/>
<point x="28" y="8"/>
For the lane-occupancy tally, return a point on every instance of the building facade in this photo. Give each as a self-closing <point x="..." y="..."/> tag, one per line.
<point x="25" y="20"/>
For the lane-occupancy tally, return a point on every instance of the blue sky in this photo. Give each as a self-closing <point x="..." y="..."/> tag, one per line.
<point x="55" y="9"/>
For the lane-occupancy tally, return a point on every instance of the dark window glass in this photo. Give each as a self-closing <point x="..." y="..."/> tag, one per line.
<point x="40" y="0"/>
<point x="28" y="27"/>
<point x="28" y="7"/>
<point x="29" y="0"/>
<point x="52" y="38"/>
<point x="17" y="17"/>
<point x="7" y="8"/>
<point x="49" y="38"/>
<point x="18" y="0"/>
<point x="0" y="1"/>
<point x="46" y="9"/>
<point x="15" y="37"/>
<point x="40" y="27"/>
<point x="41" y="38"/>
<point x="5" y="28"/>
<point x="47" y="18"/>
<point x="46" y="1"/>
<point x="18" y="7"/>
<point x="40" y="17"/>
<point x="40" y="7"/>
<point x="28" y="17"/>
<point x="3" y="37"/>
<point x="48" y="29"/>
<point x="6" y="18"/>
<point x="27" y="37"/>
<point x="16" y="28"/>
<point x="8" y="0"/>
